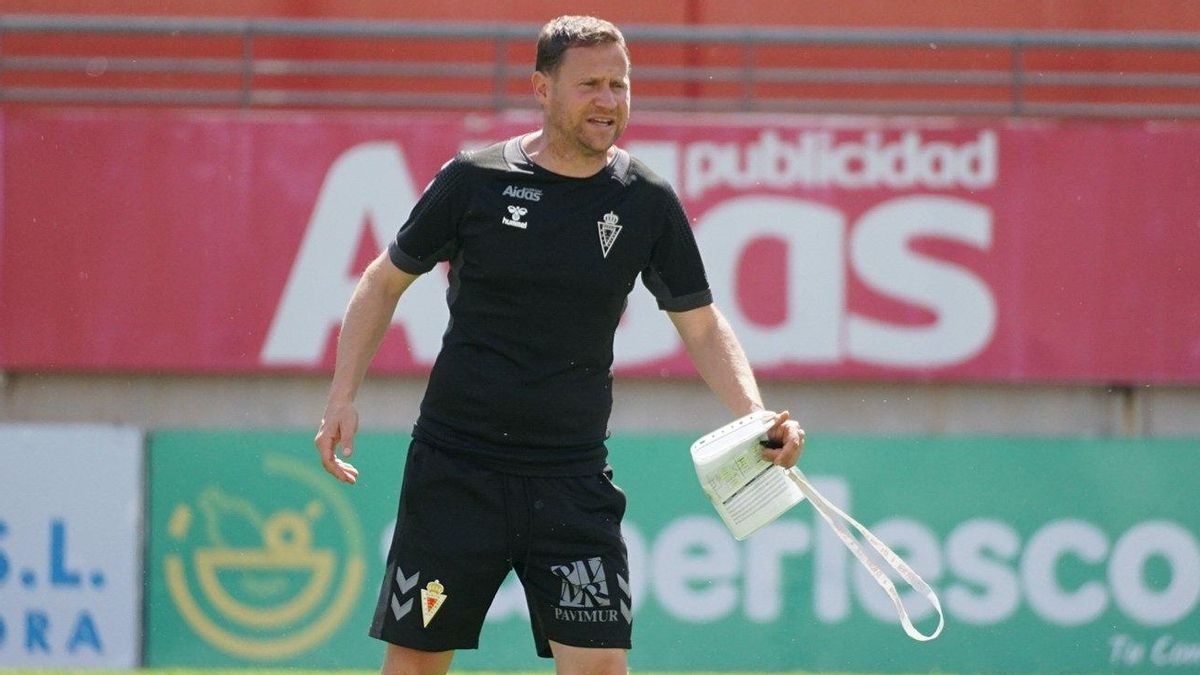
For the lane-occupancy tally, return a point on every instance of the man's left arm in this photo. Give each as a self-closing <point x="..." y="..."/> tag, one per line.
<point x="718" y="356"/>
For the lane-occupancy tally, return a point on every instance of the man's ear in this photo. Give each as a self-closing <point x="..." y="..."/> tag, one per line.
<point x="541" y="85"/>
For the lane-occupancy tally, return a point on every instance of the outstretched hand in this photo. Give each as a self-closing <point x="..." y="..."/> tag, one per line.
<point x="786" y="441"/>
<point x="338" y="426"/>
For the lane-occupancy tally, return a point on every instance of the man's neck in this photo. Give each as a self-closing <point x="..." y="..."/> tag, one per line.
<point x="561" y="158"/>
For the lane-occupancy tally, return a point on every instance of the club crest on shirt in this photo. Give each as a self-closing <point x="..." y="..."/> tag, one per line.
<point x="609" y="229"/>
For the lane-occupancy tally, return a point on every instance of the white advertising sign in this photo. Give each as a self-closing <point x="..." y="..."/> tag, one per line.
<point x="70" y="550"/>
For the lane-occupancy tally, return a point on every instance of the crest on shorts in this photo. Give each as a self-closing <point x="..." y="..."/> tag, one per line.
<point x="609" y="229"/>
<point x="432" y="598"/>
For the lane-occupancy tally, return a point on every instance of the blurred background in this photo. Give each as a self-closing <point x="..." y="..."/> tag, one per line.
<point x="958" y="240"/>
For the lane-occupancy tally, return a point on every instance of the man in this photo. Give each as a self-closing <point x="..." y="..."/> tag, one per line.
<point x="546" y="235"/>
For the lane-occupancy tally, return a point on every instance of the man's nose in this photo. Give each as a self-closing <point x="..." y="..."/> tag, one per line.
<point x="607" y="98"/>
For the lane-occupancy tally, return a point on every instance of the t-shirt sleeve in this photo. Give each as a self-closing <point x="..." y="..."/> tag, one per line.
<point x="676" y="273"/>
<point x="430" y="235"/>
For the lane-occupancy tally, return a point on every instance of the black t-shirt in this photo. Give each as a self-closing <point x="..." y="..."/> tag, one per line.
<point x="540" y="268"/>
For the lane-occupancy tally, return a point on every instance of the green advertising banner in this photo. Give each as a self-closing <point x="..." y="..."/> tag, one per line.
<point x="1048" y="555"/>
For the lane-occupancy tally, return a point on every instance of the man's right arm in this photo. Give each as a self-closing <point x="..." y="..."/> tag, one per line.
<point x="363" y="327"/>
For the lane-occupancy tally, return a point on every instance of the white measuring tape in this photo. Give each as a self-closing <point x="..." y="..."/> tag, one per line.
<point x="830" y="514"/>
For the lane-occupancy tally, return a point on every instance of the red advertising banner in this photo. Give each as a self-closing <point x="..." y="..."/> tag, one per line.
<point x="839" y="248"/>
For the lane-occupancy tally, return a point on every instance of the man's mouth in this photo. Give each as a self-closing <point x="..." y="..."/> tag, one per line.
<point x="602" y="121"/>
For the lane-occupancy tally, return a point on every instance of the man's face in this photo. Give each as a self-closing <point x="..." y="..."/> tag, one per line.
<point x="586" y="101"/>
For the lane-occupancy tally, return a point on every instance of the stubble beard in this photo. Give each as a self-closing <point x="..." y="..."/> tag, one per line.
<point x="574" y="135"/>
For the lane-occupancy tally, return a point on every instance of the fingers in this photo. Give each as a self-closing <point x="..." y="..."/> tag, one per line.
<point x="343" y="471"/>
<point x="793" y="447"/>
<point x="326" y="442"/>
<point x="348" y="474"/>
<point x="787" y="441"/>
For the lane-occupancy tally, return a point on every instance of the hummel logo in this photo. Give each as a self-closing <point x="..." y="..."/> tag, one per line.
<point x="532" y="194"/>
<point x="516" y="212"/>
<point x="404" y="584"/>
<point x="609" y="229"/>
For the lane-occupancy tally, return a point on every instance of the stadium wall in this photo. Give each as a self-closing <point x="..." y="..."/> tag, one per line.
<point x="199" y="281"/>
<point x="964" y="75"/>
<point x="1014" y="448"/>
<point x="1166" y="15"/>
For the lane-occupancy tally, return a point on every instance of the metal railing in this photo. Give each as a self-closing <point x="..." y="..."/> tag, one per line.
<point x="63" y="60"/>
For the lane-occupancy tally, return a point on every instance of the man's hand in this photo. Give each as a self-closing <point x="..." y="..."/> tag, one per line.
<point x="786" y="441"/>
<point x="338" y="426"/>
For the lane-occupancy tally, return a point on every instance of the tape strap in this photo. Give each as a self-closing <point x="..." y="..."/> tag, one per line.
<point x="828" y="512"/>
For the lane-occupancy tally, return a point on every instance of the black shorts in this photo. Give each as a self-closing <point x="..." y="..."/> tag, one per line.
<point x="461" y="527"/>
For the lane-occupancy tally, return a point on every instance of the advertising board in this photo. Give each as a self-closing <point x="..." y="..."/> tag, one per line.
<point x="840" y="248"/>
<point x="70" y="546"/>
<point x="1049" y="555"/>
